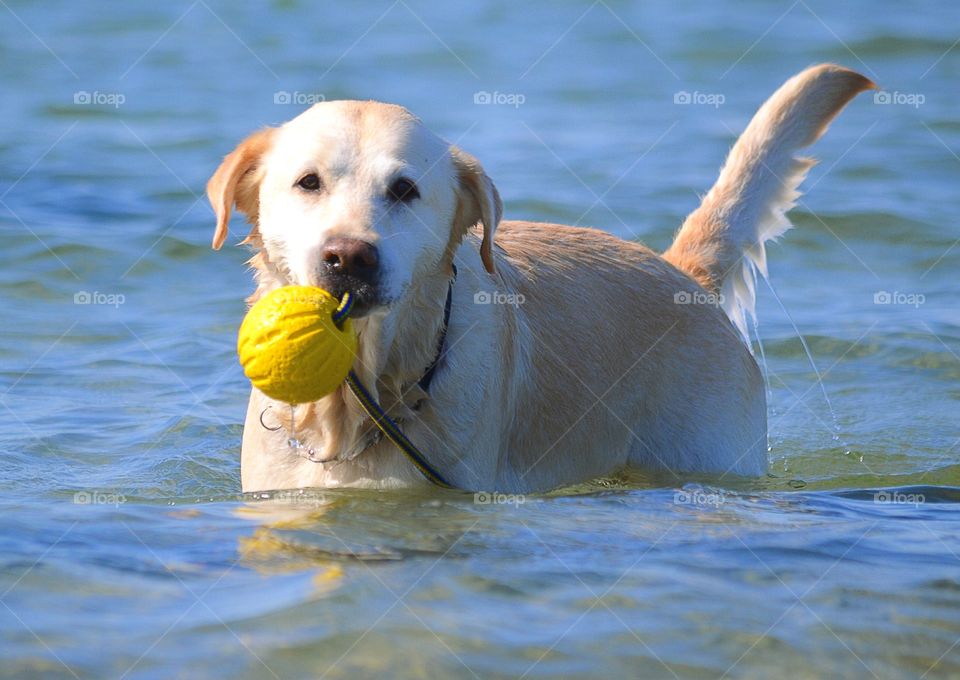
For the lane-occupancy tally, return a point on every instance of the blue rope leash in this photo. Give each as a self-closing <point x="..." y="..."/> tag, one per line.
<point x="343" y="311"/>
<point x="393" y="432"/>
<point x="386" y="424"/>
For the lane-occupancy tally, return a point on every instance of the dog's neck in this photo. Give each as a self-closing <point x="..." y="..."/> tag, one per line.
<point x="395" y="347"/>
<point x="398" y="345"/>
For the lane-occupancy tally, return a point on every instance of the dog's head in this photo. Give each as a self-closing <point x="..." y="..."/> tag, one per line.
<point x="355" y="196"/>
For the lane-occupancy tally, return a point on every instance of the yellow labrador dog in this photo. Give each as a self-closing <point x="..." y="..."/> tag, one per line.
<point x="518" y="356"/>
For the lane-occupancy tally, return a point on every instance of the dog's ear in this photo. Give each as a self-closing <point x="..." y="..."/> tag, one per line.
<point x="477" y="201"/>
<point x="237" y="182"/>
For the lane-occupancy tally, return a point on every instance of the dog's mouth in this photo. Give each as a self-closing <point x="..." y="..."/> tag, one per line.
<point x="367" y="291"/>
<point x="367" y="296"/>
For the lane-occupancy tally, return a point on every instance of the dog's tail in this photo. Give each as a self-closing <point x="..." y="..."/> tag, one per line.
<point x="721" y="243"/>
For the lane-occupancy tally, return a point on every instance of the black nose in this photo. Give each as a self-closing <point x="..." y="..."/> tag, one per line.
<point x="351" y="257"/>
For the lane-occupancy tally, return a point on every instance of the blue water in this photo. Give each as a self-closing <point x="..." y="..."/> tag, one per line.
<point x="127" y="550"/>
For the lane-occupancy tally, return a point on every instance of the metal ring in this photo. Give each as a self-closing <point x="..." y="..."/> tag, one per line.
<point x="271" y="429"/>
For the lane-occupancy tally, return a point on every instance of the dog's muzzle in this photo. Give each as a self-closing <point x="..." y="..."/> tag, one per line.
<point x="349" y="264"/>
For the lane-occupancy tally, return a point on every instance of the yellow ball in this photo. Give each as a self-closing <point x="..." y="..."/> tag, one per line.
<point x="291" y="349"/>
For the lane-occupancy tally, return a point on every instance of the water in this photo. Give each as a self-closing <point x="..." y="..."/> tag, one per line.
<point x="136" y="402"/>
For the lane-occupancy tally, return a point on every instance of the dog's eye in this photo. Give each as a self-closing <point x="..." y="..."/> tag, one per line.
<point x="403" y="190"/>
<point x="310" y="182"/>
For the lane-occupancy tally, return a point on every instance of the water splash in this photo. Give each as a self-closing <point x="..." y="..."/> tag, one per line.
<point x="835" y="434"/>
